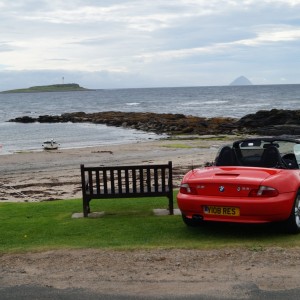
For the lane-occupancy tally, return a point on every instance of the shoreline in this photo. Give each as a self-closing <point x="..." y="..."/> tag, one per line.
<point x="70" y="148"/>
<point x="55" y="175"/>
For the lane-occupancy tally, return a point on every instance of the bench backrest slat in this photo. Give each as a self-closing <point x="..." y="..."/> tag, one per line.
<point x="156" y="180"/>
<point x="163" y="178"/>
<point x="141" y="173"/>
<point x="119" y="181"/>
<point x="90" y="181"/>
<point x="112" y="181"/>
<point x="148" y="181"/>
<point x="104" y="176"/>
<point x="98" y="183"/>
<point x="127" y="182"/>
<point x="133" y="170"/>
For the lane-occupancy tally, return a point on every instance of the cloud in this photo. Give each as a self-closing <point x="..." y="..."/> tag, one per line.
<point x="266" y="36"/>
<point x="168" y="42"/>
<point x="5" y="47"/>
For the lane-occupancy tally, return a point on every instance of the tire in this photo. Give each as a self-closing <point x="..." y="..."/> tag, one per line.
<point x="191" y="222"/>
<point x="293" y="222"/>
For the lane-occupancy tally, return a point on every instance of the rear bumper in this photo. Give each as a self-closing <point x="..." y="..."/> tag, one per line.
<point x="252" y="210"/>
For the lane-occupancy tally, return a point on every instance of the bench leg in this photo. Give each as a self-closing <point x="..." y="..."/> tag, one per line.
<point x="86" y="207"/>
<point x="171" y="206"/>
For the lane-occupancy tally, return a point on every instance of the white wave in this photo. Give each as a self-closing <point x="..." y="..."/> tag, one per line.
<point x="191" y="103"/>
<point x="215" y="102"/>
<point x="133" y="103"/>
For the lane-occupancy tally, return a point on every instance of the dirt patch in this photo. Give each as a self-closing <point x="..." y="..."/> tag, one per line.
<point x="232" y="273"/>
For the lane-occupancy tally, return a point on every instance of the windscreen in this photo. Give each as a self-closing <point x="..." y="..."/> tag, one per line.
<point x="297" y="153"/>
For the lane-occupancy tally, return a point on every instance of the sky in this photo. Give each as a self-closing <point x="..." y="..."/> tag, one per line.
<point x="105" y="44"/>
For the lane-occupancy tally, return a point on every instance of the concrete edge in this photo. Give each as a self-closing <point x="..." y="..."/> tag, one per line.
<point x="156" y="212"/>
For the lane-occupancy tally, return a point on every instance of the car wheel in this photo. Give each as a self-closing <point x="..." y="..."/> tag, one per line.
<point x="191" y="222"/>
<point x="293" y="222"/>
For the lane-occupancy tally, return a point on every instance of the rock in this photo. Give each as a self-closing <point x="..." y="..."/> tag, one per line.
<point x="24" y="119"/>
<point x="273" y="122"/>
<point x="277" y="130"/>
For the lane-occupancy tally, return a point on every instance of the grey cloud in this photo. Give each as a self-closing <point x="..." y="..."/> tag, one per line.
<point x="6" y="46"/>
<point x="151" y="43"/>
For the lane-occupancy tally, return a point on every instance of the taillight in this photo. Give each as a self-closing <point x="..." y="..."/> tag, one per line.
<point x="186" y="189"/>
<point x="264" y="191"/>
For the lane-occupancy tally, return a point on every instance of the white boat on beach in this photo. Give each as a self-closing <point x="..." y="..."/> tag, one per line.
<point x="50" y="145"/>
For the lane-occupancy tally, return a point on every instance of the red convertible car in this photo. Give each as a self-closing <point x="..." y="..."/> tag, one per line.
<point x="252" y="181"/>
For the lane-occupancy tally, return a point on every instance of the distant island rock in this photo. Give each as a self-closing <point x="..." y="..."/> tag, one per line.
<point x="242" y="80"/>
<point x="68" y="87"/>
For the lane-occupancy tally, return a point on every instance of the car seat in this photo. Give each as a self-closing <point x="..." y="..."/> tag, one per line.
<point x="271" y="158"/>
<point x="226" y="157"/>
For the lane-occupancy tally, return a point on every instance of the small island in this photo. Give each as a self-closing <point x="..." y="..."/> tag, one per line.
<point x="68" y="87"/>
<point x="242" y="80"/>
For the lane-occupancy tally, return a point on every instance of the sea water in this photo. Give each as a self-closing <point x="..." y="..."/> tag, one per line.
<point x="226" y="101"/>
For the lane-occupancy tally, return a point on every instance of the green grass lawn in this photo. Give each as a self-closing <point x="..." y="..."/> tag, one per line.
<point x="127" y="224"/>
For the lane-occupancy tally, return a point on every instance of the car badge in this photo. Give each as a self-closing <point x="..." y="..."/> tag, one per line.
<point x="221" y="188"/>
<point x="238" y="189"/>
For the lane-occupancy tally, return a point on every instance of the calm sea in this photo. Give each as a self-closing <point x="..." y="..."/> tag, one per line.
<point x="230" y="101"/>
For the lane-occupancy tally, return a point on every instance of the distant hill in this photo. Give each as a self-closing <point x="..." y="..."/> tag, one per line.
<point x="69" y="87"/>
<point x="242" y="80"/>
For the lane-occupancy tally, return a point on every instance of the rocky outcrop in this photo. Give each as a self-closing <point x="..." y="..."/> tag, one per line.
<point x="152" y="122"/>
<point x="274" y="122"/>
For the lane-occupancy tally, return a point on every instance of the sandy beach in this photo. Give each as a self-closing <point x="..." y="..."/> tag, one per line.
<point x="55" y="175"/>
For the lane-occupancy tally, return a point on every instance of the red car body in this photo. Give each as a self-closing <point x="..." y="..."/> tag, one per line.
<point x="246" y="187"/>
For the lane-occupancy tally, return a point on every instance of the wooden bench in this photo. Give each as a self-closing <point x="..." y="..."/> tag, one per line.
<point x="126" y="182"/>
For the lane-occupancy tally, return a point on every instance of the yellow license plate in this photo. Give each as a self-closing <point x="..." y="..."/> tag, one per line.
<point x="222" y="211"/>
